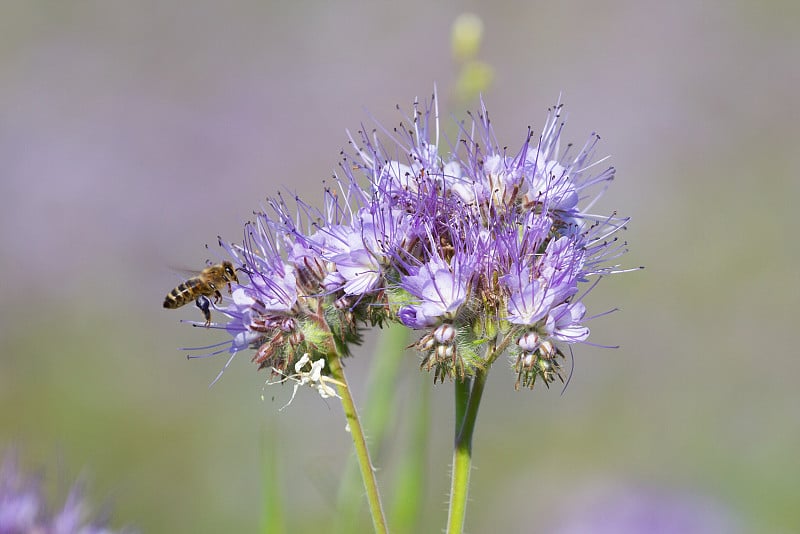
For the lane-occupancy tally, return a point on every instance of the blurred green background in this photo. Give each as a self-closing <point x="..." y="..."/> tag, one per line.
<point x="133" y="133"/>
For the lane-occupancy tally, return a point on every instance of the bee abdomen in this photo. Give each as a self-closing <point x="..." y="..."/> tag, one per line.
<point x="172" y="301"/>
<point x="181" y="294"/>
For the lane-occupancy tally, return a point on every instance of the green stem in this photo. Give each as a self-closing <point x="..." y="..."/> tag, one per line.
<point x="462" y="399"/>
<point x="362" y="453"/>
<point x="376" y="415"/>
<point x="468" y="400"/>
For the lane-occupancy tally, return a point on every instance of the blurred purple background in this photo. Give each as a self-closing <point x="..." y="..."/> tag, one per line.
<point x="133" y="133"/>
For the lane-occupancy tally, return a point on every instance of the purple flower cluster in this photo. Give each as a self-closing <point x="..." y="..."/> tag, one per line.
<point x="23" y="507"/>
<point x="479" y="249"/>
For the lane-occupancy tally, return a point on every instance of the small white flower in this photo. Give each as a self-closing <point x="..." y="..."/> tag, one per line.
<point x="312" y="377"/>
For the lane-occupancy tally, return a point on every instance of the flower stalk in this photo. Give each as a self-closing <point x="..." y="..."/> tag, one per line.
<point x="360" y="443"/>
<point x="468" y="395"/>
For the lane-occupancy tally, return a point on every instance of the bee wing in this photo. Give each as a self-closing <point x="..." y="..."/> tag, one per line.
<point x="183" y="275"/>
<point x="185" y="272"/>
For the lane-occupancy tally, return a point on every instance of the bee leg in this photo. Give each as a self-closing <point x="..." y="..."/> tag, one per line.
<point x="217" y="297"/>
<point x="205" y="306"/>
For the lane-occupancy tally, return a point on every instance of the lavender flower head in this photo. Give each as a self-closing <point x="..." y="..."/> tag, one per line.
<point x="481" y="250"/>
<point x="23" y="508"/>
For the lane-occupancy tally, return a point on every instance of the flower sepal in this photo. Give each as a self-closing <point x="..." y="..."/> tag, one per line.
<point x="450" y="352"/>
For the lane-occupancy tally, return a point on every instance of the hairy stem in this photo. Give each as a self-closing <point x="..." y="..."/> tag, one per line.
<point x="468" y="400"/>
<point x="362" y="453"/>
<point x="375" y="415"/>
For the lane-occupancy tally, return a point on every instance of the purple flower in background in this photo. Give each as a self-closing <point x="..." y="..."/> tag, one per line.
<point x="23" y="508"/>
<point x="481" y="249"/>
<point x="643" y="509"/>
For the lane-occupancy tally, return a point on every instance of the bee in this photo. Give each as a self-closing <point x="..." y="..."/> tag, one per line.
<point x="198" y="288"/>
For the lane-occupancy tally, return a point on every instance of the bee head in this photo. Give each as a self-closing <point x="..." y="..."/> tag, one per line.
<point x="230" y="271"/>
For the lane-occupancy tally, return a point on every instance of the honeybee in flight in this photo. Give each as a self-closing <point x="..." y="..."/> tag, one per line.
<point x="198" y="288"/>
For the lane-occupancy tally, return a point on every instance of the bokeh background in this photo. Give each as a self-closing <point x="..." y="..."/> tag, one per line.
<point x="133" y="133"/>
